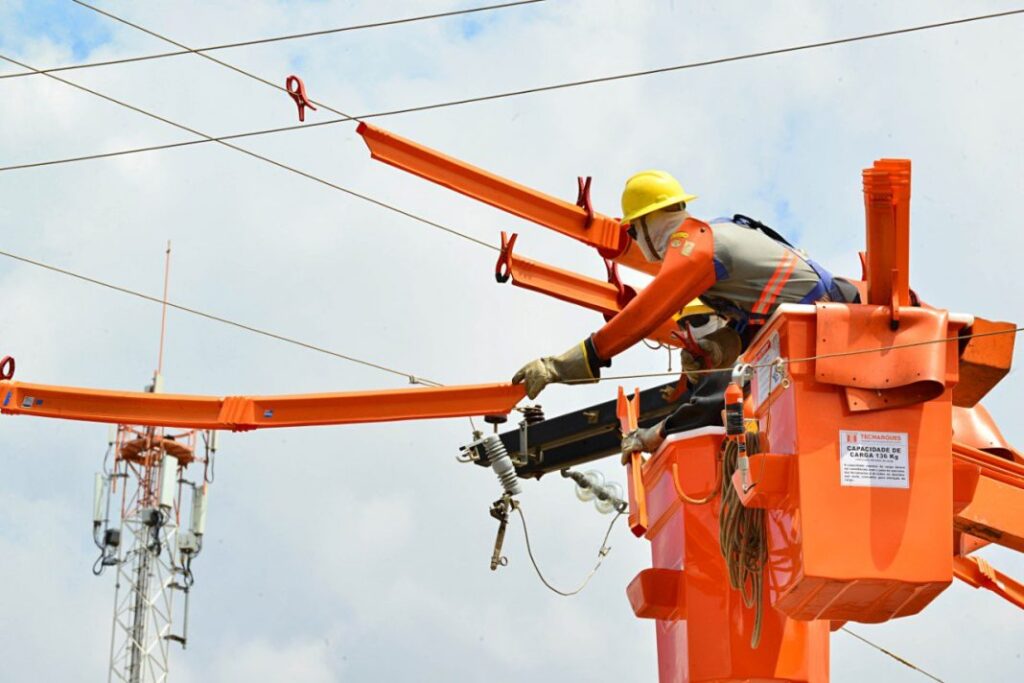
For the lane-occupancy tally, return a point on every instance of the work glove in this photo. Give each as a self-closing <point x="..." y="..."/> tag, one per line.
<point x="722" y="347"/>
<point x="646" y="439"/>
<point x="571" y="365"/>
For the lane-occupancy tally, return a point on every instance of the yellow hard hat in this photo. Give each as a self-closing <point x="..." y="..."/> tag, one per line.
<point x="648" y="191"/>
<point x="695" y="307"/>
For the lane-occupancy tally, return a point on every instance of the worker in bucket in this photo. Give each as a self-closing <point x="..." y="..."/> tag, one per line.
<point x="740" y="268"/>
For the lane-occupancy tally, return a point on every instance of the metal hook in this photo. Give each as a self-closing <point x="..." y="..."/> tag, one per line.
<point x="297" y="89"/>
<point x="741" y="372"/>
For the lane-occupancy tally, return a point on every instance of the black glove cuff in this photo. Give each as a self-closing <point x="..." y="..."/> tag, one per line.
<point x="593" y="360"/>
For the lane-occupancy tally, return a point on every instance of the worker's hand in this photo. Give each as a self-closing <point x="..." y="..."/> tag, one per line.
<point x="570" y="366"/>
<point x="646" y="439"/>
<point x="721" y="347"/>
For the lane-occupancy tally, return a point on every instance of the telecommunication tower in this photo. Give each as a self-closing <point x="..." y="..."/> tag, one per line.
<point x="148" y="521"/>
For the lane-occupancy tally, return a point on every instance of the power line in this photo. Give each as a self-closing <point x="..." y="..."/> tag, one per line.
<point x="259" y="41"/>
<point x="190" y="50"/>
<point x="261" y="157"/>
<point x="895" y="656"/>
<point x="518" y="93"/>
<point x="413" y="379"/>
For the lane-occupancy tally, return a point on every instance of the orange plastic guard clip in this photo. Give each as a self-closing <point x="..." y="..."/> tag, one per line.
<point x="241" y="413"/>
<point x="594" y="229"/>
<point x="628" y="411"/>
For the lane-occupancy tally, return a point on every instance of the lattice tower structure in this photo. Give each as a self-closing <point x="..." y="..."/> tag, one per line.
<point x="154" y="551"/>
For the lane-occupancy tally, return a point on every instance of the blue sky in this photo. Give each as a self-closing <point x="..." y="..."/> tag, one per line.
<point x="61" y="22"/>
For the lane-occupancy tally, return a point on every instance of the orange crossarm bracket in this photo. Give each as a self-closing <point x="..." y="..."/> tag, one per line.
<point x="597" y="230"/>
<point x="628" y="412"/>
<point x="242" y="413"/>
<point x="975" y="571"/>
<point x="588" y="292"/>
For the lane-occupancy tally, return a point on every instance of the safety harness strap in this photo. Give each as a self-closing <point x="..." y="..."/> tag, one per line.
<point x="825" y="289"/>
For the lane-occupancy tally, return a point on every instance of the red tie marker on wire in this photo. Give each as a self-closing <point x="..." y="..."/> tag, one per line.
<point x="297" y="89"/>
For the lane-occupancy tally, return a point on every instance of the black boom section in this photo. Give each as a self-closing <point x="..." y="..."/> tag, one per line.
<point x="580" y="436"/>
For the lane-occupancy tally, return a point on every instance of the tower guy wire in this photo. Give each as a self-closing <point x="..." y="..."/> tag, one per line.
<point x="506" y="94"/>
<point x="276" y="39"/>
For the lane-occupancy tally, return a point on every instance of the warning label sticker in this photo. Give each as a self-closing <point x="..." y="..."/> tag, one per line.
<point x="767" y="377"/>
<point x="875" y="459"/>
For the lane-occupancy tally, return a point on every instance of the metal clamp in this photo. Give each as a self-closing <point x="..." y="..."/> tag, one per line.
<point x="779" y="366"/>
<point x="500" y="510"/>
<point x="741" y="373"/>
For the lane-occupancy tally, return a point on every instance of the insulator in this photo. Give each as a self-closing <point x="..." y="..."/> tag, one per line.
<point x="501" y="463"/>
<point x="609" y="499"/>
<point x="586" y="490"/>
<point x="533" y="414"/>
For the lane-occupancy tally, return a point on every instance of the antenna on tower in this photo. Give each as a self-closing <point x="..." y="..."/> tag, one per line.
<point x="148" y="522"/>
<point x="158" y="378"/>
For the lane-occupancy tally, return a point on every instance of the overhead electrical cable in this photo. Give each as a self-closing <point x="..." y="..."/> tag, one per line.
<point x="275" y="39"/>
<point x="261" y="157"/>
<point x="526" y="91"/>
<point x="895" y="656"/>
<point x="198" y="53"/>
<point x="414" y="379"/>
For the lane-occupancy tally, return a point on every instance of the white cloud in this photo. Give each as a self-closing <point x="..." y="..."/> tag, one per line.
<point x="372" y="537"/>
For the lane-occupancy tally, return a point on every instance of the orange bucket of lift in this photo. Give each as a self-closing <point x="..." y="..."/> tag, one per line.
<point x="703" y="627"/>
<point x="857" y="471"/>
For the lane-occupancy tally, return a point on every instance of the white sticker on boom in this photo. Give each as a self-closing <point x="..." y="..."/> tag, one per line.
<point x="875" y="459"/>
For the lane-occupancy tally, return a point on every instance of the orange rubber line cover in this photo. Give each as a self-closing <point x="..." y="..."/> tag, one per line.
<point x="604" y="232"/>
<point x="629" y="412"/>
<point x="240" y="413"/>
